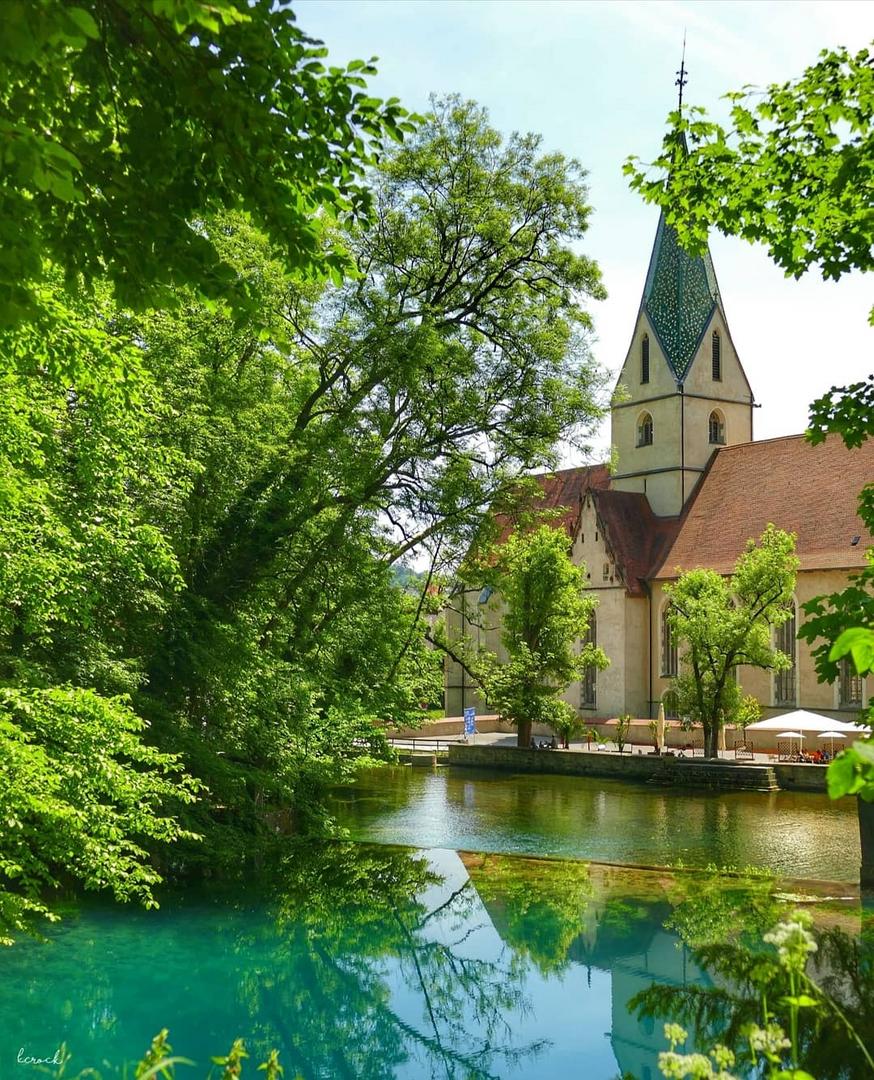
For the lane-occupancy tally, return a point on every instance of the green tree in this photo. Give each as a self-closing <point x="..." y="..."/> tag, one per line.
<point x="126" y="123"/>
<point x="796" y="173"/>
<point x="345" y="427"/>
<point x="721" y="623"/>
<point x="547" y="613"/>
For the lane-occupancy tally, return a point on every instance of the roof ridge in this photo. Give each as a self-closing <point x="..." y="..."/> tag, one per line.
<point x="572" y="468"/>
<point x="761" y="442"/>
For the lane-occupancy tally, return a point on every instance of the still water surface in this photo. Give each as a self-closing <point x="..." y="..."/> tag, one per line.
<point x="366" y="960"/>
<point x="360" y="961"/>
<point x="795" y="834"/>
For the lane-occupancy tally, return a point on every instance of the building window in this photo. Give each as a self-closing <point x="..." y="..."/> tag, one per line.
<point x="716" y="428"/>
<point x="644" y="430"/>
<point x="785" y="681"/>
<point x="587" y="679"/>
<point x="716" y="356"/>
<point x="606" y="571"/>
<point x="644" y="359"/>
<point x="849" y="685"/>
<point x="669" y="646"/>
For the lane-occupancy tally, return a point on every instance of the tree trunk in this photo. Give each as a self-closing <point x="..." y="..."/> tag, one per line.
<point x="866" y="835"/>
<point x="711" y="741"/>
<point x="524" y="738"/>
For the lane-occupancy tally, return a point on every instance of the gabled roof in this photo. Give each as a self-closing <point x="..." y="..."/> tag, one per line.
<point x="679" y="298"/>
<point x="637" y="538"/>
<point x="812" y="491"/>
<point x="564" y="490"/>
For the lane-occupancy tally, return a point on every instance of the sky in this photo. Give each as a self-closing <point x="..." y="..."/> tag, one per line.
<point x="596" y="81"/>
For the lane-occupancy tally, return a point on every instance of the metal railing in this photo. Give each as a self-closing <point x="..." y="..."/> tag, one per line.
<point x="429" y="744"/>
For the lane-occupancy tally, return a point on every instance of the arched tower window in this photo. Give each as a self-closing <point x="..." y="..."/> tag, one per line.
<point x="644" y="359"/>
<point x="644" y="430"/>
<point x="587" y="680"/>
<point x="669" y="646"/>
<point x="716" y="356"/>
<point x="716" y="428"/>
<point x="784" y="681"/>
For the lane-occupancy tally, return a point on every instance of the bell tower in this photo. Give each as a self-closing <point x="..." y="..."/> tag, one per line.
<point x="682" y="392"/>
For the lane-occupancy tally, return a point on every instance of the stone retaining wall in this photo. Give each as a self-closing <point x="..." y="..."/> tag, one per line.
<point x="641" y="767"/>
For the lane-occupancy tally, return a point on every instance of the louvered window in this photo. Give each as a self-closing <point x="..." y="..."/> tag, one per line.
<point x="716" y="356"/>
<point x="644" y="359"/>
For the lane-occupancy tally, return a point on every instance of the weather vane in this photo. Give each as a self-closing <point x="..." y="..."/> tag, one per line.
<point x="681" y="74"/>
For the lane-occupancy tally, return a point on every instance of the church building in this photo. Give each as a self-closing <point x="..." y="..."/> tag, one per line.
<point x="687" y="488"/>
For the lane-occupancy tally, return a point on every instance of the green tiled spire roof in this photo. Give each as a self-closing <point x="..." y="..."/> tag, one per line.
<point x="679" y="298"/>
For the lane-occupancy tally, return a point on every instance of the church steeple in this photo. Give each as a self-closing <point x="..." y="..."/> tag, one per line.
<point x="680" y="297"/>
<point x="682" y="390"/>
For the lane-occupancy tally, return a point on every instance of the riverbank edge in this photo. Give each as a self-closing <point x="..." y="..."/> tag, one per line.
<point x="667" y="771"/>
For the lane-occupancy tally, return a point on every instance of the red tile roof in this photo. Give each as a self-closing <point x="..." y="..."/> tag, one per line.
<point x="563" y="490"/>
<point x="637" y="538"/>
<point x="809" y="490"/>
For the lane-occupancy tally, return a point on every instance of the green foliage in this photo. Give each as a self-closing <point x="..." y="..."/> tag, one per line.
<point x="127" y="123"/>
<point x="769" y="1015"/>
<point x="547" y="613"/>
<point x="721" y="623"/>
<point x="216" y="538"/>
<point x="623" y="726"/>
<point x="795" y="172"/>
<point x="81" y="794"/>
<point x="542" y="905"/>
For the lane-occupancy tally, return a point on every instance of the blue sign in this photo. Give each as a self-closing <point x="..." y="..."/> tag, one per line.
<point x="469" y="721"/>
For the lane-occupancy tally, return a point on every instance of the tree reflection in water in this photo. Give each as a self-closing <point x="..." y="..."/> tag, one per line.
<point x="343" y="911"/>
<point x="373" y="962"/>
<point x="723" y="927"/>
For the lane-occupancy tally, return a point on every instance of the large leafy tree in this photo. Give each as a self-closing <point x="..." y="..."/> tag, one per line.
<point x="721" y="623"/>
<point x="126" y="122"/>
<point x="345" y="427"/>
<point x="795" y="172"/>
<point x="547" y="615"/>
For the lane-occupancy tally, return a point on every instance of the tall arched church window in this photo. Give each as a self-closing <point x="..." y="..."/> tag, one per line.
<point x="669" y="646"/>
<point x="785" y="681"/>
<point x="644" y="430"/>
<point x="587" y="680"/>
<point x="644" y="359"/>
<point x="716" y="428"/>
<point x="716" y="355"/>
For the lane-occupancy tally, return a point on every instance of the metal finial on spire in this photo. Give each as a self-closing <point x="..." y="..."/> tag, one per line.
<point x="682" y="74"/>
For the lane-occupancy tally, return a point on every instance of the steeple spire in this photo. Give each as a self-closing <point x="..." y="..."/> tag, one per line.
<point x="679" y="298"/>
<point x="682" y="75"/>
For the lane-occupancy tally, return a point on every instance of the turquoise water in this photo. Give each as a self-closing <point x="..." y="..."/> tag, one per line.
<point x="361" y="961"/>
<point x="795" y="834"/>
<point x="367" y="960"/>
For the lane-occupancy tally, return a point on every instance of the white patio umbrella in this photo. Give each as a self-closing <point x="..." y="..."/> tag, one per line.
<point x="660" y="728"/>
<point x="831" y="735"/>
<point x="802" y="720"/>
